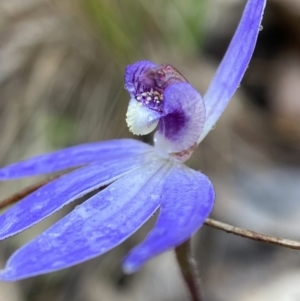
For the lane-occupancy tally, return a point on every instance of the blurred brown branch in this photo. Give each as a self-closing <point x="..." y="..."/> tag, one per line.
<point x="278" y="241"/>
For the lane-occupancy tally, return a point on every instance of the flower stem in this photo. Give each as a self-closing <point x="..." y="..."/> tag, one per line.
<point x="188" y="269"/>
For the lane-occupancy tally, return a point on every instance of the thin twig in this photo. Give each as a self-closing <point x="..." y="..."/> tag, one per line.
<point x="188" y="269"/>
<point x="278" y="241"/>
<point x="24" y="192"/>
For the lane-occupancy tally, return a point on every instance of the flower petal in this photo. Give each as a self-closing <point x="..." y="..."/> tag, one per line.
<point x="187" y="200"/>
<point x="74" y="156"/>
<point x="233" y="65"/>
<point x="94" y="227"/>
<point x="184" y="118"/>
<point x="56" y="194"/>
<point x="132" y="74"/>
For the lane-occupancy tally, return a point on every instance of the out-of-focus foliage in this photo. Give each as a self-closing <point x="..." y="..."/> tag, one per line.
<point x="129" y="28"/>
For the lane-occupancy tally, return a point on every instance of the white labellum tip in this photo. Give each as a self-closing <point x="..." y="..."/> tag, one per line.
<point x="140" y="119"/>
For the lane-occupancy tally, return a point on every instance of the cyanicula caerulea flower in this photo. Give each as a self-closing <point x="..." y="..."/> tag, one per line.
<point x="141" y="178"/>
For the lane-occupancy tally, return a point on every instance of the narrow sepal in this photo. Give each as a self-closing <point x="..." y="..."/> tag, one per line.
<point x="187" y="200"/>
<point x="60" y="192"/>
<point x="93" y="228"/>
<point x="234" y="64"/>
<point x="74" y="156"/>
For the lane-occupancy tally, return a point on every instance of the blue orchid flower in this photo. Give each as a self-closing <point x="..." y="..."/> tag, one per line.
<point x="141" y="178"/>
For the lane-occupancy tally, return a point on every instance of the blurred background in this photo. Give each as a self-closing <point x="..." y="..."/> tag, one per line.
<point x="61" y="84"/>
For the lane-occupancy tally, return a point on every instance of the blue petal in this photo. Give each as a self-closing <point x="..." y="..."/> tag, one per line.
<point x="74" y="156"/>
<point x="187" y="200"/>
<point x="132" y="73"/>
<point x="94" y="227"/>
<point x="234" y="64"/>
<point x="184" y="118"/>
<point x="53" y="196"/>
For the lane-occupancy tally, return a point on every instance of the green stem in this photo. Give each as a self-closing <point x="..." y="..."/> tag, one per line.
<point x="188" y="269"/>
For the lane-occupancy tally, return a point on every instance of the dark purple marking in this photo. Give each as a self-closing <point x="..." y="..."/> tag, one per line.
<point x="173" y="124"/>
<point x="146" y="82"/>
